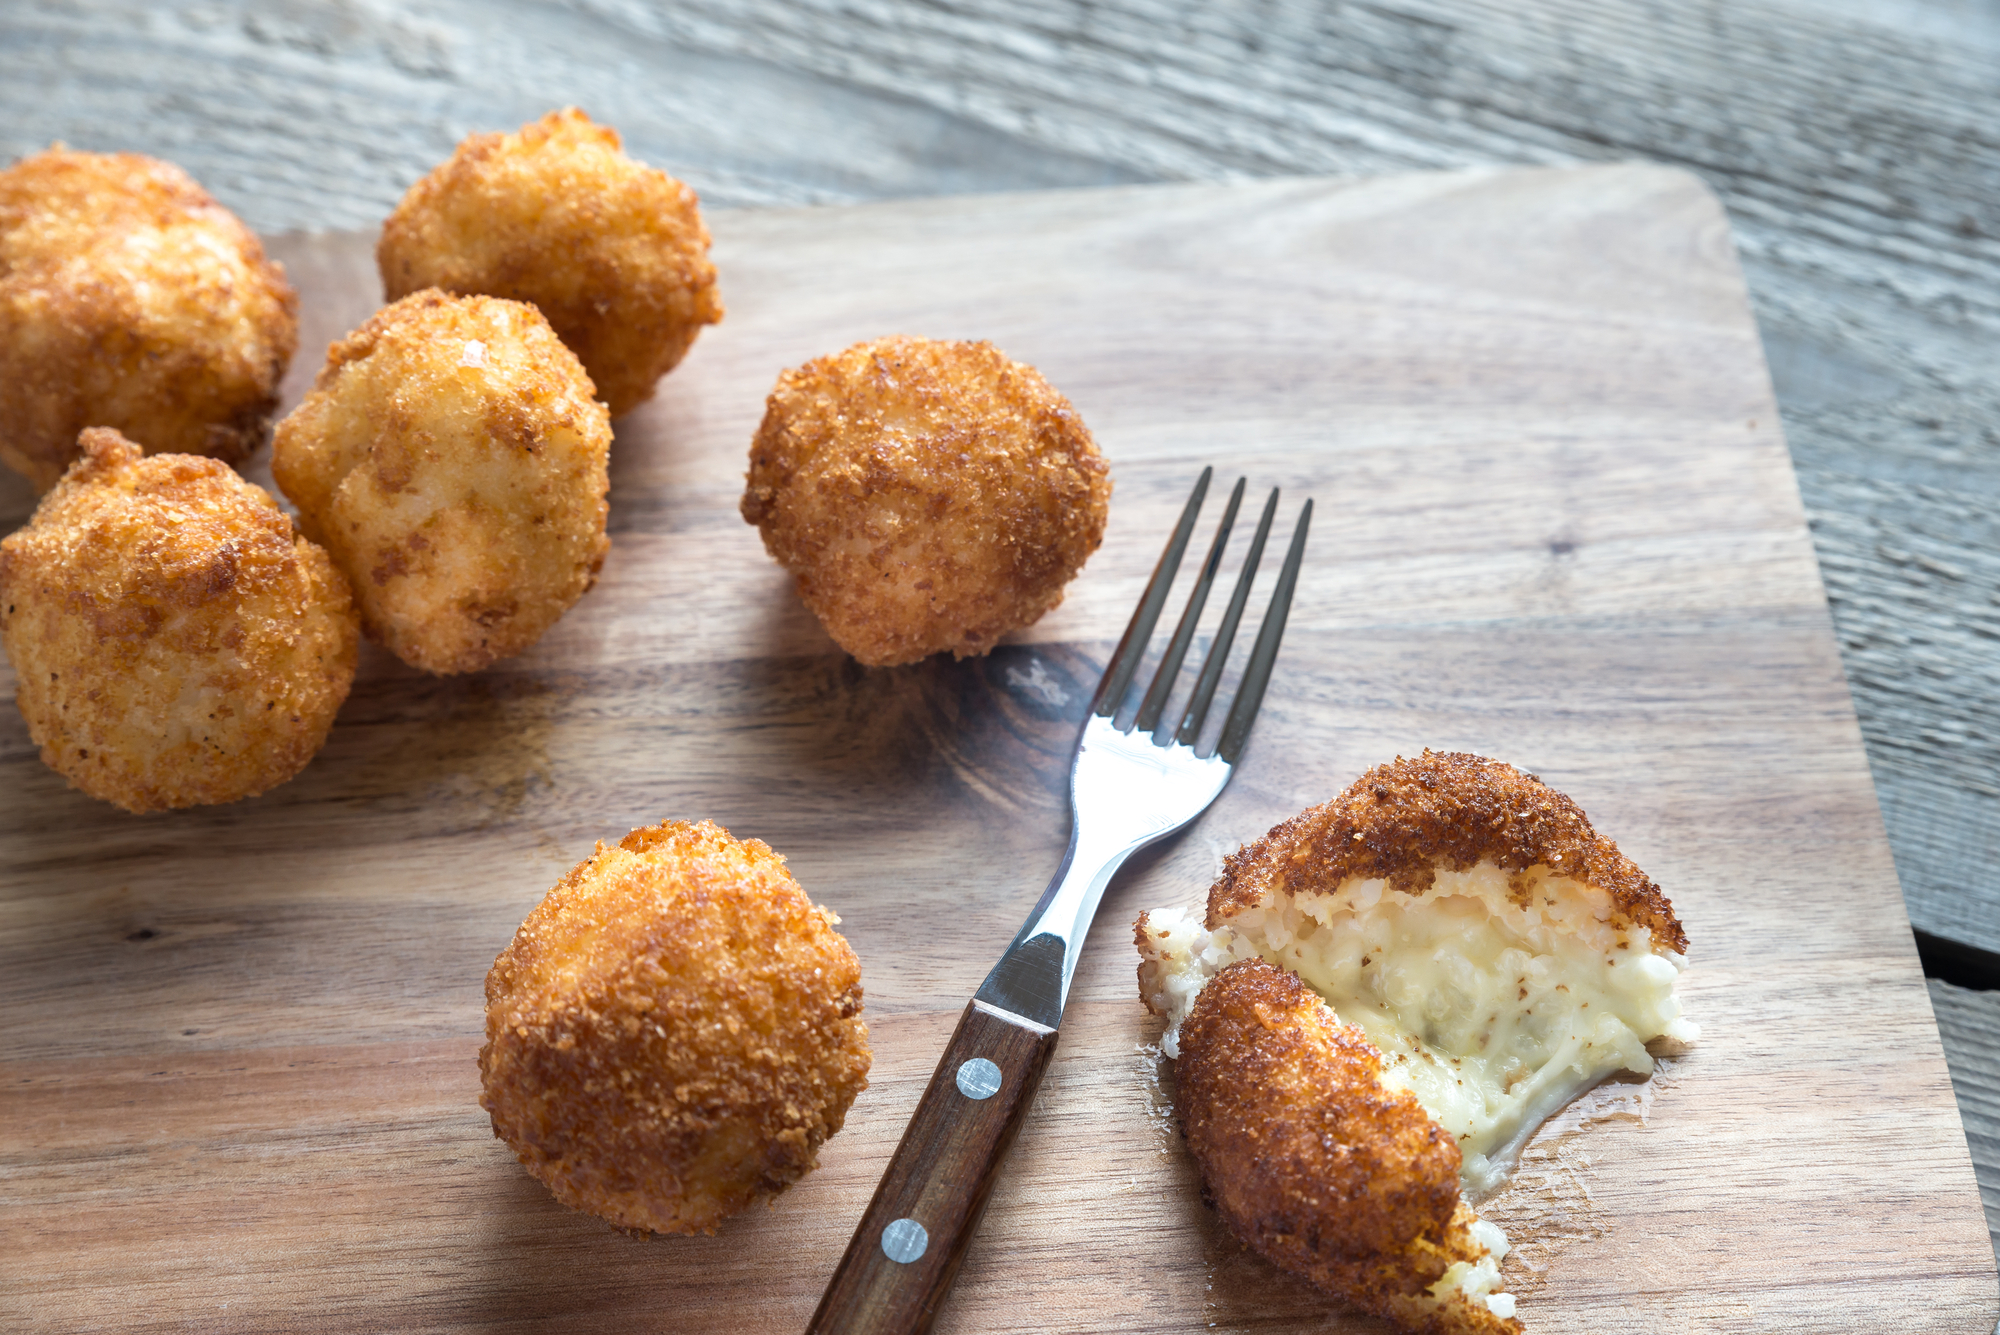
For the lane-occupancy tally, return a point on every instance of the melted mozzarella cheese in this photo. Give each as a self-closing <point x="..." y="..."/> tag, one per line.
<point x="1494" y="1002"/>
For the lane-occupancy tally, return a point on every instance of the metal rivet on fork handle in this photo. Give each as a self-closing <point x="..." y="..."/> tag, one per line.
<point x="904" y="1241"/>
<point x="978" y="1078"/>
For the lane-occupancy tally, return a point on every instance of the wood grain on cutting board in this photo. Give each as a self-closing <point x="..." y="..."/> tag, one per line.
<point x="1556" y="525"/>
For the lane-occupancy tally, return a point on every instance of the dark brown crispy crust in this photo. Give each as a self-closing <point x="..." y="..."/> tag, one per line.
<point x="1310" y="1160"/>
<point x="1404" y="821"/>
<point x="674" y="1031"/>
<point x="130" y="299"/>
<point x="926" y="495"/>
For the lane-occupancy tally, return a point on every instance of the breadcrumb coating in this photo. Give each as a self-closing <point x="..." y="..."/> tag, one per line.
<point x="1313" y="1163"/>
<point x="175" y="642"/>
<point x="1405" y="821"/>
<point x="924" y="495"/>
<point x="130" y="299"/>
<point x="614" y="253"/>
<point x="452" y="458"/>
<point x="674" y="1031"/>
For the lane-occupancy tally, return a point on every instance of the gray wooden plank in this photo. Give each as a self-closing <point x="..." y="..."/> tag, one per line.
<point x="1857" y="145"/>
<point x="1969" y="1024"/>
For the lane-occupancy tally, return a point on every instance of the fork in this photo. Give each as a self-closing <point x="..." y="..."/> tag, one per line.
<point x="1128" y="788"/>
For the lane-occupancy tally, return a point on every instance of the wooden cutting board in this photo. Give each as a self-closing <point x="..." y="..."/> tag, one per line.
<point x="1556" y="525"/>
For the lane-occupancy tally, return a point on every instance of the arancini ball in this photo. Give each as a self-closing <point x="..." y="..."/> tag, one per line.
<point x="1322" y="1166"/>
<point x="674" y="1031"/>
<point x="176" y="643"/>
<point x="924" y="495"/>
<point x="613" y="252"/>
<point x="130" y="299"/>
<point x="1387" y="996"/>
<point x="451" y="456"/>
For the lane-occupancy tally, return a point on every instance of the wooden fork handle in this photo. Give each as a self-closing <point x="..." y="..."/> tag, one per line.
<point x="902" y="1259"/>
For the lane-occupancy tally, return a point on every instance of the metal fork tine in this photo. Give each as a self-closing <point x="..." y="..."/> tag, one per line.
<point x="1170" y="662"/>
<point x="1125" y="661"/>
<point x="1225" y="634"/>
<point x="1257" y="675"/>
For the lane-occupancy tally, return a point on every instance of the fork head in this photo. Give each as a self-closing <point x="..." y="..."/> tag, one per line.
<point x="1118" y="674"/>
<point x="1130" y="786"/>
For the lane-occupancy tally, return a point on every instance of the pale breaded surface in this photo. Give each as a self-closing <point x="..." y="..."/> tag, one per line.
<point x="176" y="643"/>
<point x="674" y="1031"/>
<point x="131" y="299"/>
<point x="925" y="495"/>
<point x="452" y="457"/>
<point x="614" y="253"/>
<point x="1405" y="821"/>
<point x="1312" y="1162"/>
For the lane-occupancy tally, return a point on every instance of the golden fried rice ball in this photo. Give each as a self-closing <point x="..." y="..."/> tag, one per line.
<point x="674" y="1032"/>
<point x="452" y="458"/>
<point x="1317" y="1165"/>
<point x="176" y="643"/>
<point x="925" y="495"/>
<point x="614" y="253"/>
<point x="131" y="299"/>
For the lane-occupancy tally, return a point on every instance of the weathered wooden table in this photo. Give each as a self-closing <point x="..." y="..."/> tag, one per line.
<point x="1856" y="145"/>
